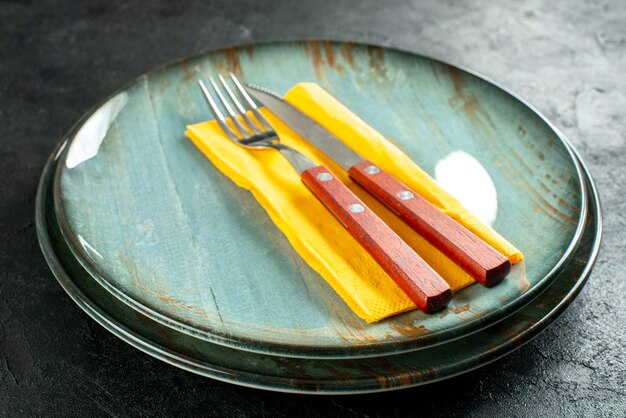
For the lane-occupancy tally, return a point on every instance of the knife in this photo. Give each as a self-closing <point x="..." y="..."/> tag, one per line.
<point x="484" y="263"/>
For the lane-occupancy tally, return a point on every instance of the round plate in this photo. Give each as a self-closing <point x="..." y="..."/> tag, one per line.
<point x="165" y="232"/>
<point x="308" y="375"/>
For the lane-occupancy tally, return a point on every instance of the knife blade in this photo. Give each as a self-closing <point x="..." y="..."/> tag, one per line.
<point x="485" y="264"/>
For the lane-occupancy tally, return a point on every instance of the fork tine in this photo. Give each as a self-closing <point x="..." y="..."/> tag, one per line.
<point x="229" y="109"/>
<point x="231" y="94"/>
<point x="250" y="123"/>
<point x="242" y="130"/>
<point x="217" y="113"/>
<point x="251" y="103"/>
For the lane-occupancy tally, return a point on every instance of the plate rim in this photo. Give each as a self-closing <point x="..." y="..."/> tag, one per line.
<point x="289" y="385"/>
<point x="325" y="351"/>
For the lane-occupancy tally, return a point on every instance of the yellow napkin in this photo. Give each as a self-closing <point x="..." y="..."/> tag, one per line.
<point x="314" y="233"/>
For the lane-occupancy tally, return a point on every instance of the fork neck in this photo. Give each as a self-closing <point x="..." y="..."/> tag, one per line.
<point x="297" y="160"/>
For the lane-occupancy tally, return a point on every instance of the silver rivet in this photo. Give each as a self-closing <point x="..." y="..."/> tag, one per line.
<point x="324" y="176"/>
<point x="372" y="169"/>
<point x="356" y="208"/>
<point x="405" y="195"/>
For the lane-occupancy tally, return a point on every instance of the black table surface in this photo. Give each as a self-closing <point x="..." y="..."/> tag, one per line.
<point x="59" y="58"/>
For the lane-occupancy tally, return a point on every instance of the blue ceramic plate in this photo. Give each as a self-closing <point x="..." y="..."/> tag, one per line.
<point x="308" y="375"/>
<point x="165" y="232"/>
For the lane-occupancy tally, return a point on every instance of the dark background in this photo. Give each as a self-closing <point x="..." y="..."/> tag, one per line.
<point x="59" y="58"/>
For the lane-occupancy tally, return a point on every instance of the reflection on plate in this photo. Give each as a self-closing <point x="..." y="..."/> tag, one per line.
<point x="165" y="232"/>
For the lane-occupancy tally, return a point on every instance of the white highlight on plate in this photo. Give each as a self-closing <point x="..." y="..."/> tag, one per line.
<point x="88" y="248"/>
<point x="466" y="179"/>
<point x="89" y="137"/>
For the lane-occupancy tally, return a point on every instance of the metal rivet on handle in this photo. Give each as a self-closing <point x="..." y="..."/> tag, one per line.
<point x="405" y="195"/>
<point x="324" y="176"/>
<point x="372" y="169"/>
<point x="356" y="208"/>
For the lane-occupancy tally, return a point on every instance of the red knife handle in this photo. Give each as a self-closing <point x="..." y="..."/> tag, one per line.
<point x="416" y="278"/>
<point x="485" y="264"/>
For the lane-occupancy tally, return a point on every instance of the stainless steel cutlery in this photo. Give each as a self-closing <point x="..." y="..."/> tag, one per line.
<point x="416" y="278"/>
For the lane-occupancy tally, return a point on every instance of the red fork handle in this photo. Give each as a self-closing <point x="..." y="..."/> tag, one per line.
<point x="485" y="264"/>
<point x="416" y="278"/>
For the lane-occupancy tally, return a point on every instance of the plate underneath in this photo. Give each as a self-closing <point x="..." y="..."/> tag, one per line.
<point x="308" y="375"/>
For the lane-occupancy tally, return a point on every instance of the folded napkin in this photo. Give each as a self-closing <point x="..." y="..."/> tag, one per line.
<point x="313" y="231"/>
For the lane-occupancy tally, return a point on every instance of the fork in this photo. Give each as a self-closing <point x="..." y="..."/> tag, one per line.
<point x="412" y="274"/>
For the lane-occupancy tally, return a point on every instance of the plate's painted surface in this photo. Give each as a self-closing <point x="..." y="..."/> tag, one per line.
<point x="308" y="375"/>
<point x="168" y="234"/>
